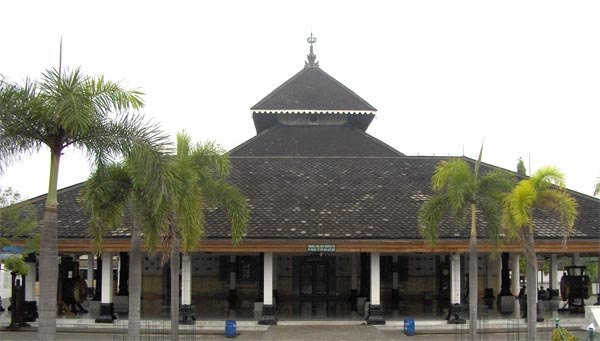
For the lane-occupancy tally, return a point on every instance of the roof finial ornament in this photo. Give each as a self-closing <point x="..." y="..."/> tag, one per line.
<point x="311" y="56"/>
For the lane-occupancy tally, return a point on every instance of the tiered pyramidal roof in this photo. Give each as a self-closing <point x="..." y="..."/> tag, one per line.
<point x="312" y="172"/>
<point x="312" y="114"/>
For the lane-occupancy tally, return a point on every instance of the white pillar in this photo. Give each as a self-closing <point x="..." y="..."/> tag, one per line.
<point x="454" y="278"/>
<point x="186" y="279"/>
<point x="395" y="273"/>
<point x="231" y="273"/>
<point x="118" y="270"/>
<point x="516" y="274"/>
<point x="598" y="281"/>
<point x="354" y="271"/>
<point x="553" y="272"/>
<point x="30" y="282"/>
<point x="268" y="279"/>
<point x="375" y="290"/>
<point x="274" y="272"/>
<point x="107" y="278"/>
<point x="90" y="273"/>
<point x="488" y="271"/>
<point x="576" y="260"/>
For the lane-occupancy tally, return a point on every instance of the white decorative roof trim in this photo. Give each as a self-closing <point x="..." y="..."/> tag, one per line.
<point x="322" y="112"/>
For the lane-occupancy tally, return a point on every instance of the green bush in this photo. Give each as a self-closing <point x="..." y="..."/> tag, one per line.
<point x="16" y="264"/>
<point x="561" y="334"/>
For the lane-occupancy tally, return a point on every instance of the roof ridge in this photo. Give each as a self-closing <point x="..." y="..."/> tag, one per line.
<point x="376" y="140"/>
<point x="59" y="191"/>
<point x="520" y="176"/>
<point x="348" y="89"/>
<point x="338" y="157"/>
<point x="272" y="93"/>
<point x="250" y="140"/>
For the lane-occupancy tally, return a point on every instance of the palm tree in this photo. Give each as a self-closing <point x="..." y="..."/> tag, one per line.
<point x="597" y="188"/>
<point x="136" y="185"/>
<point x="200" y="174"/>
<point x="545" y="189"/>
<point x="458" y="188"/>
<point x="66" y="109"/>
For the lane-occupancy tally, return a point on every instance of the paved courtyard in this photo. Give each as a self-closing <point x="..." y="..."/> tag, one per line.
<point x="312" y="333"/>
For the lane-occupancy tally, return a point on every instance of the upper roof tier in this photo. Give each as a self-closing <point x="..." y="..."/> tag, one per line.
<point x="312" y="91"/>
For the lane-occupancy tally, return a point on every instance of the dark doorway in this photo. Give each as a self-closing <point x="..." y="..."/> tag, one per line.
<point x="314" y="279"/>
<point x="316" y="294"/>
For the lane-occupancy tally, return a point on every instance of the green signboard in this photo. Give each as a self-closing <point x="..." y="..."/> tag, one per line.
<point x="321" y="248"/>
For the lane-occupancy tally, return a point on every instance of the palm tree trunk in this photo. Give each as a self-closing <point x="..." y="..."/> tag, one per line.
<point x="49" y="257"/>
<point x="473" y="290"/>
<point x="135" y="282"/>
<point x="174" y="258"/>
<point x="531" y="284"/>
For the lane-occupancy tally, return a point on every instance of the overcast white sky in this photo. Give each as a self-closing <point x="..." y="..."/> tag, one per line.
<point x="444" y="75"/>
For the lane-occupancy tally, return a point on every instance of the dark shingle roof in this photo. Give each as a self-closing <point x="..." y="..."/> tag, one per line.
<point x="350" y="198"/>
<point x="341" y="198"/>
<point x="324" y="140"/>
<point x="313" y="89"/>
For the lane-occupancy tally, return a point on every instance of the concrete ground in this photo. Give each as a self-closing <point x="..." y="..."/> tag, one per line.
<point x="311" y="333"/>
<point x="83" y="327"/>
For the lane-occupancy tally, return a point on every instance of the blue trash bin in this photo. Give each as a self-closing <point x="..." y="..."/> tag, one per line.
<point x="409" y="327"/>
<point x="230" y="327"/>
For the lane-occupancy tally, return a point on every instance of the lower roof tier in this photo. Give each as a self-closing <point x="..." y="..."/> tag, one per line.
<point x="332" y="198"/>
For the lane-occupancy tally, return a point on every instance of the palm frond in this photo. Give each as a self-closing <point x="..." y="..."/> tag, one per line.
<point x="76" y="100"/>
<point x="478" y="162"/>
<point x="186" y="198"/>
<point x="190" y="218"/>
<point x="547" y="176"/>
<point x="520" y="203"/>
<point x="184" y="142"/>
<point x="151" y="172"/>
<point x="109" y="96"/>
<point x="155" y="222"/>
<point x="508" y="221"/>
<point x="493" y="187"/>
<point x="430" y="216"/>
<point x="230" y="199"/>
<point x="491" y="211"/>
<point x="210" y="159"/>
<point x="561" y="204"/>
<point x="111" y="138"/>
<point x="66" y="101"/>
<point x="105" y="197"/>
<point x="496" y="183"/>
<point x="21" y="130"/>
<point x="456" y="180"/>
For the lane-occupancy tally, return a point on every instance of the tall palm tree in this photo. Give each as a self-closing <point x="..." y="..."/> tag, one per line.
<point x="200" y="180"/>
<point x="545" y="189"/>
<point x="66" y="109"/>
<point x="458" y="188"/>
<point x="136" y="185"/>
